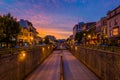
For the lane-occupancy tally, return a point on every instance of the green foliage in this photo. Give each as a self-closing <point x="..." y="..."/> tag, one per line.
<point x="80" y="35"/>
<point x="46" y="41"/>
<point x="9" y="28"/>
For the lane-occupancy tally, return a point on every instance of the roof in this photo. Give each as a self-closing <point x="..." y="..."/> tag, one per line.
<point x="110" y="11"/>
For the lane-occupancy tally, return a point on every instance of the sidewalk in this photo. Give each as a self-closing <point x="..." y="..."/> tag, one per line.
<point x="49" y="69"/>
<point x="74" y="69"/>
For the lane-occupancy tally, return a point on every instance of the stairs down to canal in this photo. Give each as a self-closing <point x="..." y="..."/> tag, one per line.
<point x="62" y="65"/>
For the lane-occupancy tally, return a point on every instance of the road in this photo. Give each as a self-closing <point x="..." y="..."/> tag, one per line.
<point x="73" y="68"/>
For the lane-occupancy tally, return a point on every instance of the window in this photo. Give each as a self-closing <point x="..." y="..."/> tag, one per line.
<point x="110" y="32"/>
<point x="115" y="22"/>
<point x="109" y="24"/>
<point x="115" y="31"/>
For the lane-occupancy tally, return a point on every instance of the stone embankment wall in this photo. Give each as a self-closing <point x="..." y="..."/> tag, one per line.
<point x="18" y="64"/>
<point x="105" y="64"/>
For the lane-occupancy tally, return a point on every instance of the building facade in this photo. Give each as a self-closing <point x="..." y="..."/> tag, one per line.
<point x="113" y="24"/>
<point x="101" y="31"/>
<point x="87" y="26"/>
<point x="88" y="32"/>
<point x="104" y="32"/>
<point x="91" y="37"/>
<point x="28" y="35"/>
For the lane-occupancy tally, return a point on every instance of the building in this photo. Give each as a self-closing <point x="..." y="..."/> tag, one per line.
<point x="101" y="31"/>
<point x="33" y="32"/>
<point x="28" y="34"/>
<point x="104" y="32"/>
<point x="77" y="28"/>
<point x="87" y="26"/>
<point x="113" y="24"/>
<point x="91" y="37"/>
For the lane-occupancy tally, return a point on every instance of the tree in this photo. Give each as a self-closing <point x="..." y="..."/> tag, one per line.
<point x="9" y="28"/>
<point x="79" y="36"/>
<point x="1" y="30"/>
<point x="46" y="41"/>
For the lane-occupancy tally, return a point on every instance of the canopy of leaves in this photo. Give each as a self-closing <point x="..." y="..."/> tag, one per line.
<point x="46" y="41"/>
<point x="9" y="28"/>
<point x="80" y="35"/>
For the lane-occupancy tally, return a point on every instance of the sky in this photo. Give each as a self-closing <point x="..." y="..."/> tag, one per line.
<point x="57" y="17"/>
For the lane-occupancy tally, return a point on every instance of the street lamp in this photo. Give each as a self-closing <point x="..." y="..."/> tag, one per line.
<point x="22" y="56"/>
<point x="89" y="37"/>
<point x="48" y="47"/>
<point x="43" y="49"/>
<point x="76" y="48"/>
<point x="84" y="34"/>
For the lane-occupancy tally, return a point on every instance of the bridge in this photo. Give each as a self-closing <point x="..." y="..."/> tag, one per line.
<point x="47" y="63"/>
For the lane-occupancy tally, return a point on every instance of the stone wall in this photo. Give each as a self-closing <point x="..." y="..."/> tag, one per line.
<point x="106" y="65"/>
<point x="17" y="65"/>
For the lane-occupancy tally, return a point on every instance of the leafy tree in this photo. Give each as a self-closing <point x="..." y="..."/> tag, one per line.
<point x="79" y="36"/>
<point x="9" y="28"/>
<point x="46" y="41"/>
<point x="1" y="30"/>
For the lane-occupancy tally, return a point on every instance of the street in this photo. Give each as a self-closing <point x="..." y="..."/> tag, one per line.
<point x="73" y="69"/>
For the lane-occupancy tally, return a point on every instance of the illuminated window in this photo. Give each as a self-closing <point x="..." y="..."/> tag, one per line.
<point x="115" y="31"/>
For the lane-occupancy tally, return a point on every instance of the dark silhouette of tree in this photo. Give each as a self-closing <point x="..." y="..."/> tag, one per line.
<point x="1" y="28"/>
<point x="9" y="29"/>
<point x="46" y="41"/>
<point x="80" y="35"/>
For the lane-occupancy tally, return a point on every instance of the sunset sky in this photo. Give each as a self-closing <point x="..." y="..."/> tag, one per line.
<point x="57" y="17"/>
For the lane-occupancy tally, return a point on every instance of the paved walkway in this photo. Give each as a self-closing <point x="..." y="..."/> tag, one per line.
<point x="49" y="69"/>
<point x="73" y="69"/>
